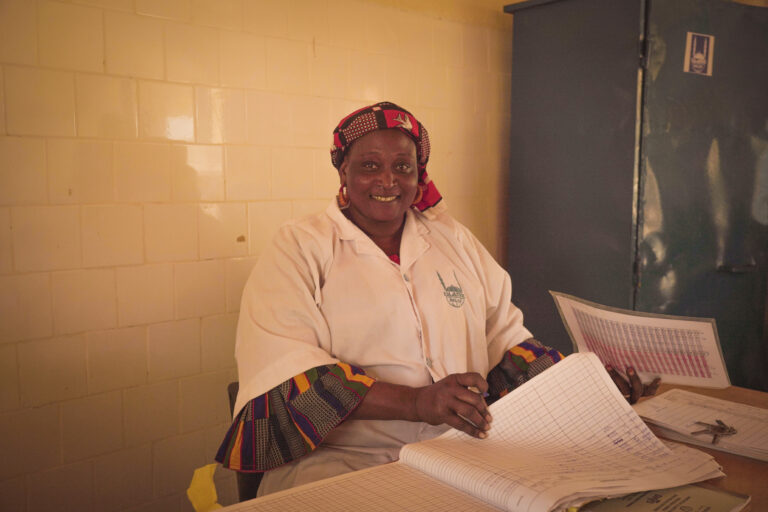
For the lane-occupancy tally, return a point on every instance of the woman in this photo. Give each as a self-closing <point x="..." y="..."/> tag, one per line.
<point x="380" y="322"/>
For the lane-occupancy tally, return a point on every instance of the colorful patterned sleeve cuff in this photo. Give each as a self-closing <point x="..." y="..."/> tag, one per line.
<point x="292" y="419"/>
<point x="520" y="364"/>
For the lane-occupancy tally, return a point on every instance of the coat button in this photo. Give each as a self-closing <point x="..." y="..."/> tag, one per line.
<point x="429" y="362"/>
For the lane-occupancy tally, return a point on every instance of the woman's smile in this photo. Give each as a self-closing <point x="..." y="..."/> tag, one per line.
<point x="385" y="199"/>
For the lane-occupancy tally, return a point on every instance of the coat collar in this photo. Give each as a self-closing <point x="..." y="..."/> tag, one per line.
<point x="412" y="245"/>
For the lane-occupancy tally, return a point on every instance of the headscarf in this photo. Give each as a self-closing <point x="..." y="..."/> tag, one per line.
<point x="381" y="116"/>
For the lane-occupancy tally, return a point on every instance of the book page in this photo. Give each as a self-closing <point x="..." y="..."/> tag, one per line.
<point x="563" y="437"/>
<point x="680" y="350"/>
<point x="388" y="488"/>
<point x="679" y="410"/>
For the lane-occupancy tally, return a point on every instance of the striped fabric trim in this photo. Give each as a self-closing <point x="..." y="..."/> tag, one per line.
<point x="520" y="364"/>
<point x="302" y="382"/>
<point x="354" y="375"/>
<point x="528" y="351"/>
<point x="291" y="420"/>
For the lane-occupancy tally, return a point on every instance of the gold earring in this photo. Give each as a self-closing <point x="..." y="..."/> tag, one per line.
<point x="342" y="198"/>
<point x="419" y="195"/>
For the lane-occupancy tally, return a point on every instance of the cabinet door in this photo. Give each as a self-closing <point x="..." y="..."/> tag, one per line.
<point x="570" y="212"/>
<point x="703" y="236"/>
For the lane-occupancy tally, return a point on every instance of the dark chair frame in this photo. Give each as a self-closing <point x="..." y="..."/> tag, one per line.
<point x="247" y="483"/>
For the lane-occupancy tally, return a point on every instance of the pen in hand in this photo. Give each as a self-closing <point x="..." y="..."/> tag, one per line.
<point x="486" y="414"/>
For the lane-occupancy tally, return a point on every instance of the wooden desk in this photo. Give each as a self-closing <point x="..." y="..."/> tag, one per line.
<point x="743" y="475"/>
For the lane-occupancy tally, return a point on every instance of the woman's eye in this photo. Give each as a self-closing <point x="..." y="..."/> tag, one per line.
<point x="369" y="165"/>
<point x="403" y="167"/>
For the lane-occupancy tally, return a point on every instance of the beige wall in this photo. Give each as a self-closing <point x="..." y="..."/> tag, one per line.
<point x="148" y="150"/>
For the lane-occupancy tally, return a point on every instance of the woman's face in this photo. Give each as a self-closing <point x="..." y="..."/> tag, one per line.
<point x="381" y="173"/>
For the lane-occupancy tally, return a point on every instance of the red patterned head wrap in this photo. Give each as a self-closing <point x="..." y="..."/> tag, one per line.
<point x="382" y="116"/>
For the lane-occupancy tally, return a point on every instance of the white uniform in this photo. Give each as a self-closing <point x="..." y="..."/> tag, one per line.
<point x="324" y="292"/>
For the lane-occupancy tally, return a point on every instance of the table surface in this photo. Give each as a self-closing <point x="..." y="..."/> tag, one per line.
<point x="743" y="475"/>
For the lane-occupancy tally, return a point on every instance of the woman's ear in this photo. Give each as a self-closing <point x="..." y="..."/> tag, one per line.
<point x="343" y="172"/>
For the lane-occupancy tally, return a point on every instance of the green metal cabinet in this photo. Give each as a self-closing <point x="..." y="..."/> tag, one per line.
<point x="639" y="165"/>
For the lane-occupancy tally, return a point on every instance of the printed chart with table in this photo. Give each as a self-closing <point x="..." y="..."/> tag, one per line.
<point x="680" y="350"/>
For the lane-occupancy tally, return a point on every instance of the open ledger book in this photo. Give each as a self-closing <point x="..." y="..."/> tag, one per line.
<point x="563" y="438"/>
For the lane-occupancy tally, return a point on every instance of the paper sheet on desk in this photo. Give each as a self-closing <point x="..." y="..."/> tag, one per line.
<point x="677" y="412"/>
<point x="685" y="498"/>
<point x="680" y="350"/>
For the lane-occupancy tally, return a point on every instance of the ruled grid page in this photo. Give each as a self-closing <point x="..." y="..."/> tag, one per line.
<point x="389" y="488"/>
<point x="679" y="410"/>
<point x="680" y="350"/>
<point x="563" y="436"/>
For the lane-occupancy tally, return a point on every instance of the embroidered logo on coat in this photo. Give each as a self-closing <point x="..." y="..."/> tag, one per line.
<point x="454" y="294"/>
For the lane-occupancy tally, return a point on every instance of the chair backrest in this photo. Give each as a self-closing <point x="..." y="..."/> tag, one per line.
<point x="232" y="389"/>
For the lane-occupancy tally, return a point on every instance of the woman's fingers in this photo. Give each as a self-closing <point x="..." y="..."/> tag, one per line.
<point x="632" y="388"/>
<point x="471" y="380"/>
<point x="620" y="382"/>
<point x="460" y="423"/>
<point x="450" y="401"/>
<point x="478" y="417"/>
<point x="476" y="389"/>
<point x="470" y="418"/>
<point x="635" y="384"/>
<point x="650" y="389"/>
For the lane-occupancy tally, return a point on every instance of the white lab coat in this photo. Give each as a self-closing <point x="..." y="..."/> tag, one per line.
<point x="323" y="292"/>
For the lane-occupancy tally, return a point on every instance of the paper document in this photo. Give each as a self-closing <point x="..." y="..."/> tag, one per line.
<point x="680" y="350"/>
<point x="677" y="411"/>
<point x="687" y="498"/>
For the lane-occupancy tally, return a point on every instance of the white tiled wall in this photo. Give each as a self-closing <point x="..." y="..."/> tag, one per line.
<point x="148" y="151"/>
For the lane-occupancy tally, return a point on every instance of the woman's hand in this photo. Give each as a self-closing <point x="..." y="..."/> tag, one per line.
<point x="451" y="401"/>
<point x="632" y="388"/>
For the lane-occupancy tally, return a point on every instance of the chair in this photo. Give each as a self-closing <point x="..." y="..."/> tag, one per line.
<point x="247" y="483"/>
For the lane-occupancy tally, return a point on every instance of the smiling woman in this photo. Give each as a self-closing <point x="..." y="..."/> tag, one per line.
<point x="380" y="322"/>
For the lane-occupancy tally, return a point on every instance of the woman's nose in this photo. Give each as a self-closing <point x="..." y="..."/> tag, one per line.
<point x="387" y="178"/>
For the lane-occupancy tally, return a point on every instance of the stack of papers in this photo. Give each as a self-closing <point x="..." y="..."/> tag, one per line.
<point x="676" y="413"/>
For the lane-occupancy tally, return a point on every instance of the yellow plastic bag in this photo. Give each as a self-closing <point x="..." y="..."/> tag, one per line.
<point x="202" y="490"/>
